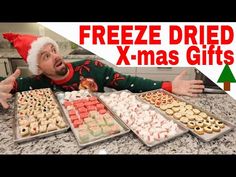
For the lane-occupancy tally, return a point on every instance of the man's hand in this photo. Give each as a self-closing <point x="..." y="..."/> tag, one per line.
<point x="6" y="87"/>
<point x="186" y="87"/>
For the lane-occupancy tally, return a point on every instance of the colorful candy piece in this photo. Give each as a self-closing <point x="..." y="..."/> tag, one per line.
<point x="96" y="131"/>
<point x="106" y="130"/>
<point x="100" y="106"/>
<point x="87" y="120"/>
<point x="91" y="108"/>
<point x="76" y="123"/>
<point x="102" y="111"/>
<point x="84" y="115"/>
<point x="67" y="103"/>
<point x="83" y="127"/>
<point x="95" y="102"/>
<point x="83" y="100"/>
<point x="109" y="121"/>
<point x="73" y="118"/>
<point x="92" y="124"/>
<point x="100" y="121"/>
<point x="78" y="105"/>
<point x="84" y="135"/>
<point x="82" y="110"/>
<point x="89" y="103"/>
<point x="115" y="128"/>
<point x="106" y="116"/>
<point x="72" y="112"/>
<point x="93" y="98"/>
<point x="94" y="114"/>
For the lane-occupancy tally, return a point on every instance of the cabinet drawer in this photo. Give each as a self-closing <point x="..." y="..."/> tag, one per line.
<point x="18" y="62"/>
<point x="166" y="77"/>
<point x="25" y="72"/>
<point x="123" y="70"/>
<point x="5" y="67"/>
<point x="161" y="70"/>
<point x="157" y="77"/>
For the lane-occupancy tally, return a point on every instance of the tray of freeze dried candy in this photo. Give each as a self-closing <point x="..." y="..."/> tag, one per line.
<point x="145" y="121"/>
<point x="203" y="124"/>
<point x="90" y="120"/>
<point x="37" y="114"/>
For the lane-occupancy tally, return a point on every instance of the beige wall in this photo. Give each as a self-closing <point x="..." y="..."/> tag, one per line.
<point x="30" y="28"/>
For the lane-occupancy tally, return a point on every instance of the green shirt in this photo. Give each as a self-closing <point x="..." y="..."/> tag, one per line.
<point x="90" y="74"/>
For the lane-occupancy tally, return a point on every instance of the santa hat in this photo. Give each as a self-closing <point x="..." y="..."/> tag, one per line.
<point x="29" y="46"/>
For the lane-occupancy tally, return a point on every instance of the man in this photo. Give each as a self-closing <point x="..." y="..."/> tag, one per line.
<point x="50" y="70"/>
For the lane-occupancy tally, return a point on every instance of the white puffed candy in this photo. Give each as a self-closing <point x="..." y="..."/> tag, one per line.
<point x="140" y="117"/>
<point x="167" y="125"/>
<point x="163" y="135"/>
<point x="130" y="122"/>
<point x="102" y="97"/>
<point x="134" y="126"/>
<point x="113" y="95"/>
<point x="124" y="118"/>
<point x="160" y="117"/>
<point x="132" y="98"/>
<point x="144" y="133"/>
<point x="150" y="139"/>
<point x="147" y="120"/>
<point x="67" y="94"/>
<point x="67" y="97"/>
<point x="147" y="113"/>
<point x="145" y="106"/>
<point x="152" y="112"/>
<point x="133" y="115"/>
<point x="73" y="98"/>
<point x="119" y="113"/>
<point x="172" y="133"/>
<point x="74" y="92"/>
<point x="157" y="124"/>
<point x="124" y="94"/>
<point x="139" y="122"/>
<point x="152" y="130"/>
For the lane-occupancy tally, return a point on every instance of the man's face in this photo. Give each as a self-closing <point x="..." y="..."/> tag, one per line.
<point x="50" y="62"/>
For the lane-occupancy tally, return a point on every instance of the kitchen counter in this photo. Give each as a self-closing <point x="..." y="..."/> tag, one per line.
<point x="220" y="104"/>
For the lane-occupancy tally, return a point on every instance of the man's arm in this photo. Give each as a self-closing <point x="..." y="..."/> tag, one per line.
<point x="28" y="83"/>
<point x="34" y="82"/>
<point x="110" y="78"/>
<point x="6" y="86"/>
<point x="12" y="84"/>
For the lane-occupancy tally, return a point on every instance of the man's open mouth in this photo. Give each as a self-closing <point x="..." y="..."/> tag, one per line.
<point x="58" y="63"/>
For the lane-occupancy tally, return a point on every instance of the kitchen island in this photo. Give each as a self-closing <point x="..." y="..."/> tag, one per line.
<point x="220" y="104"/>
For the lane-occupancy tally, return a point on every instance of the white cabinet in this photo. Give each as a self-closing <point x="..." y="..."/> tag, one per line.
<point x="5" y="67"/>
<point x="22" y="65"/>
<point x="128" y="71"/>
<point x="154" y="73"/>
<point x="164" y="73"/>
<point x="123" y="70"/>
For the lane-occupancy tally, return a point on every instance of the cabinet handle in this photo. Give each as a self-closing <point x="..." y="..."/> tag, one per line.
<point x="164" y="68"/>
<point x="5" y="65"/>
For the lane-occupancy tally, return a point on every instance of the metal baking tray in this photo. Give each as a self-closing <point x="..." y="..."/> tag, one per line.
<point x="181" y="130"/>
<point x="206" y="137"/>
<point x="98" y="139"/>
<point x="18" y="139"/>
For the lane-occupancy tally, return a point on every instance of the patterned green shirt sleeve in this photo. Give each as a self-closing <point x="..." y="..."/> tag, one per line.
<point x="28" y="83"/>
<point x="106" y="76"/>
<point x="93" y="74"/>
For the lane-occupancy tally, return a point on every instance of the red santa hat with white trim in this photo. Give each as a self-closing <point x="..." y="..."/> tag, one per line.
<point x="29" y="46"/>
